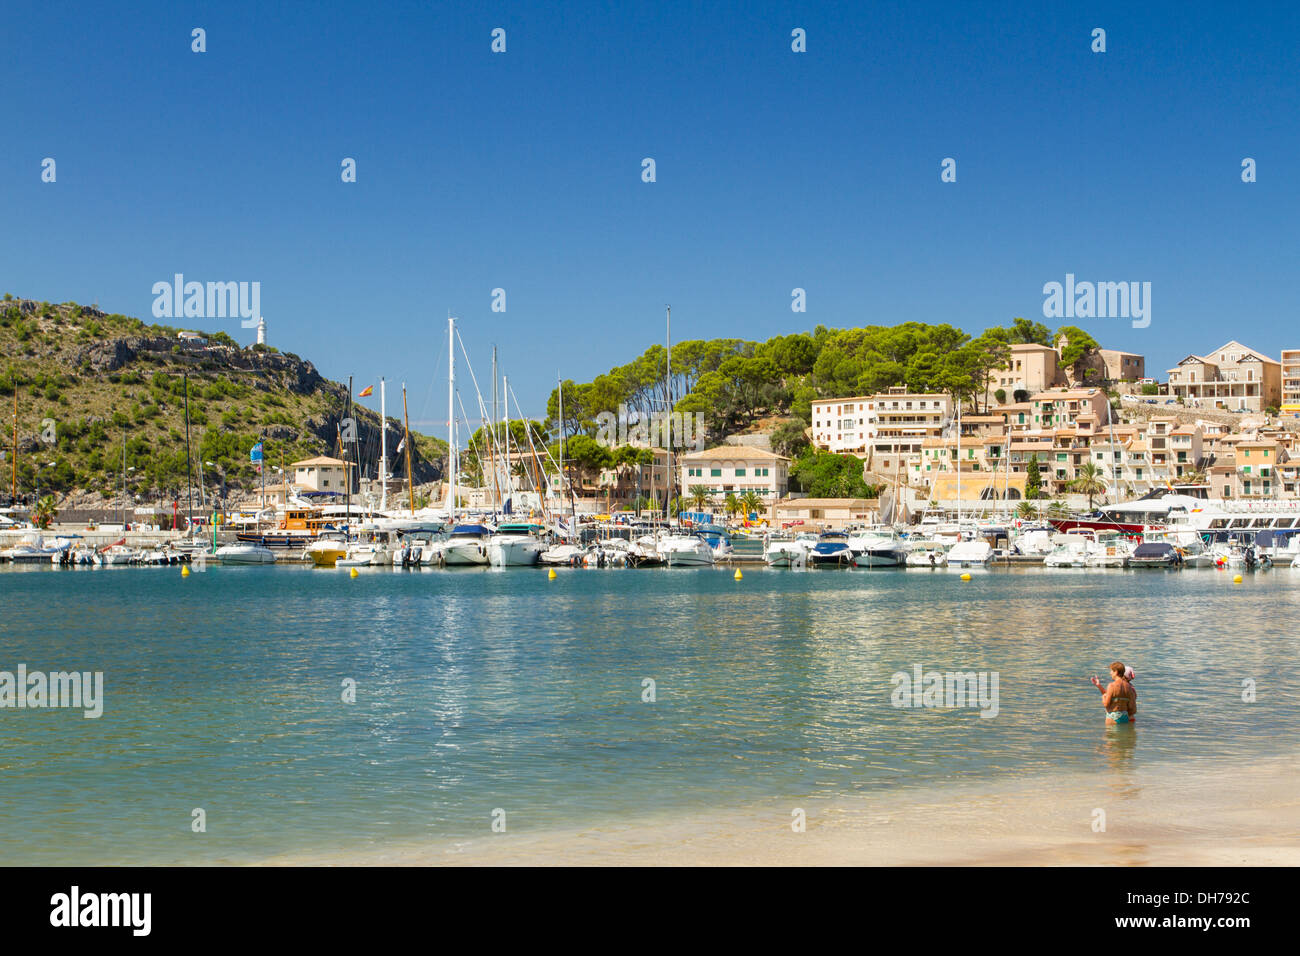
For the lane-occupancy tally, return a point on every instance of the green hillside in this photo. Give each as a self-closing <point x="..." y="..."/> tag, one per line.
<point x="91" y="381"/>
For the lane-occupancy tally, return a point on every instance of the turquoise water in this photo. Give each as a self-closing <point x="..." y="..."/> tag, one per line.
<point x="485" y="689"/>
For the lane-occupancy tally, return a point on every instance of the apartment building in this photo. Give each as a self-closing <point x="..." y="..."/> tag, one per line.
<point x="1233" y="377"/>
<point x="1084" y="408"/>
<point x="887" y="427"/>
<point x="904" y="420"/>
<point x="1290" y="382"/>
<point x="736" y="469"/>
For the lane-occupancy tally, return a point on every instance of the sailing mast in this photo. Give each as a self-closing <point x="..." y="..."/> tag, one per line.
<point x="505" y="397"/>
<point x="669" y="416"/>
<point x="451" y="420"/>
<point x="959" y="467"/>
<point x="13" y="493"/>
<point x="124" y="479"/>
<point x="492" y="444"/>
<point x="406" y="443"/>
<point x="347" y="474"/>
<point x="383" y="448"/>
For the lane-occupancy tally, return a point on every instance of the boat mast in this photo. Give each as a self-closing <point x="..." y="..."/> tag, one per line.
<point x="669" y="416"/>
<point x="958" y="467"/>
<point x="383" y="448"/>
<point x="347" y="473"/>
<point x="505" y="397"/>
<point x="124" y="480"/>
<point x="13" y="492"/>
<point x="492" y="457"/>
<point x="406" y="443"/>
<point x="451" y="419"/>
<point x="189" y="461"/>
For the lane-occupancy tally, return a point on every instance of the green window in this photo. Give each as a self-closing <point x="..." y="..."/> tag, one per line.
<point x="715" y="472"/>
<point x="740" y="472"/>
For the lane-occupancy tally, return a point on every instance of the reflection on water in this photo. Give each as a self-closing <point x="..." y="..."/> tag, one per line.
<point x="494" y="689"/>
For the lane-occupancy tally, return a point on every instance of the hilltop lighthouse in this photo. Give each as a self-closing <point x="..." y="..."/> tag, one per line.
<point x="261" y="330"/>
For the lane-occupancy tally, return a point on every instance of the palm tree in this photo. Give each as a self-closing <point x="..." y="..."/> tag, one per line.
<point x="698" y="495"/>
<point x="45" y="512"/>
<point x="1089" y="480"/>
<point x="751" y="501"/>
<point x="1057" y="508"/>
<point x="1027" y="509"/>
<point x="731" y="505"/>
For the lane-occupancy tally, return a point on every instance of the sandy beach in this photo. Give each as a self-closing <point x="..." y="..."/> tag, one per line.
<point x="1204" y="813"/>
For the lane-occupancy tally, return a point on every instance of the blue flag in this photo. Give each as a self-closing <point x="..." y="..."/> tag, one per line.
<point x="255" y="453"/>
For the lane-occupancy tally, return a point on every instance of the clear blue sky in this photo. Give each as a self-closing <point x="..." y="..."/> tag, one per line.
<point x="775" y="170"/>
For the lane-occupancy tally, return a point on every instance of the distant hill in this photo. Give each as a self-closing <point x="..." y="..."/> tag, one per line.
<point x="100" y="378"/>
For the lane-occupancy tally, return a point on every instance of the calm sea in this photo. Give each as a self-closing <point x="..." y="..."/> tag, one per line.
<point x="480" y="690"/>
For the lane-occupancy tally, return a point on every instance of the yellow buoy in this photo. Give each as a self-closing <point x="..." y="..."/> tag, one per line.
<point x="551" y="574"/>
<point x="185" y="572"/>
<point x="965" y="577"/>
<point x="354" y="572"/>
<point x="1236" y="579"/>
<point x="739" y="576"/>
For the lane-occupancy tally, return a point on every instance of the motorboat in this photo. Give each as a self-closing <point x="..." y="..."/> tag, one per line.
<point x="466" y="546"/>
<point x="1034" y="540"/>
<point x="562" y="554"/>
<point x="1109" y="549"/>
<point x="831" y="551"/>
<point x="878" y="548"/>
<point x="516" y="544"/>
<point x="682" y="549"/>
<point x="34" y="550"/>
<point x="718" y="539"/>
<point x="116" y="555"/>
<point x="970" y="553"/>
<point x="244" y="552"/>
<point x="1070" y="550"/>
<point x="326" y="550"/>
<point x="927" y="554"/>
<point x="787" y="552"/>
<point x="1155" y="554"/>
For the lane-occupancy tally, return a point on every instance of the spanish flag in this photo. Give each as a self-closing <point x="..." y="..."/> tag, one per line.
<point x="368" y="390"/>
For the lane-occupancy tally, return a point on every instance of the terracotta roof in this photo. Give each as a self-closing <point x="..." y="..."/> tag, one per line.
<point x="729" y="452"/>
<point x="318" y="460"/>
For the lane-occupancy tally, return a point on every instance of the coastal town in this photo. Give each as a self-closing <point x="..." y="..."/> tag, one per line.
<point x="1050" y="446"/>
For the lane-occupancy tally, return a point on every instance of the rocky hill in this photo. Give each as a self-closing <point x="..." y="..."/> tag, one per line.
<point x="89" y="383"/>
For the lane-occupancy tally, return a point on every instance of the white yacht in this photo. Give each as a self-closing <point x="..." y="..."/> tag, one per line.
<point x="970" y="553"/>
<point x="1109" y="549"/>
<point x="927" y="554"/>
<point x="516" y="544"/>
<point x="880" y="547"/>
<point x="466" y="546"/>
<point x="788" y="552"/>
<point x="1070" y="550"/>
<point x="562" y="553"/>
<point x="244" y="552"/>
<point x="681" y="549"/>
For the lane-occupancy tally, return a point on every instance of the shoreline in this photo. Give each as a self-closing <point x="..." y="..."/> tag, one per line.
<point x="1220" y="812"/>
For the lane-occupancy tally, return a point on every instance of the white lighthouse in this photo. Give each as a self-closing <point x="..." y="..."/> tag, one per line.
<point x="261" y="330"/>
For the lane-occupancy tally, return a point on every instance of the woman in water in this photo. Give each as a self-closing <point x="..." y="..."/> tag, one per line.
<point x="1120" y="697"/>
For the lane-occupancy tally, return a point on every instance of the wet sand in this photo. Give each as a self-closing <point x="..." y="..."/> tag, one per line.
<point x="1201" y="813"/>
